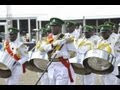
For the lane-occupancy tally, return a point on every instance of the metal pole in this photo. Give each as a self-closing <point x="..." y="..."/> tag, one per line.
<point x="63" y="28"/>
<point x="8" y="17"/>
<point x="97" y="26"/>
<point x="84" y="23"/>
<point x="40" y="32"/>
<point x="109" y="20"/>
<point x="29" y="29"/>
<point x="119" y="29"/>
<point x="37" y="35"/>
<point x="18" y="27"/>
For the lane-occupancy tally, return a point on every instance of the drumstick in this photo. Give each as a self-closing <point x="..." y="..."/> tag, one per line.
<point x="48" y="65"/>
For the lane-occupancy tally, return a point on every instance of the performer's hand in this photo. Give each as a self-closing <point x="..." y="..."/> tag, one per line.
<point x="38" y="44"/>
<point x="69" y="39"/>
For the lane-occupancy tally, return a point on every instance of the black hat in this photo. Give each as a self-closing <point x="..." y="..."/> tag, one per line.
<point x="105" y="27"/>
<point x="13" y="30"/>
<point x="88" y="28"/>
<point x="56" y="21"/>
<point x="69" y="24"/>
<point x="108" y="22"/>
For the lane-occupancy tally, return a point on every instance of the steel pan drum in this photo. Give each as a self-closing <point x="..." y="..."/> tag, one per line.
<point x="99" y="61"/>
<point x="78" y="67"/>
<point x="30" y="66"/>
<point x="37" y="62"/>
<point x="6" y="64"/>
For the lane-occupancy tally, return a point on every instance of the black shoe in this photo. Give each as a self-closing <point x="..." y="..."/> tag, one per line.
<point x="118" y="76"/>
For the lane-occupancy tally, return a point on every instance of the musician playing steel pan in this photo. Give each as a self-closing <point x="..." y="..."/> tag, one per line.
<point x="107" y="43"/>
<point x="44" y="41"/>
<point x="70" y="28"/>
<point x="84" y="44"/>
<point x="117" y="53"/>
<point x="16" y="49"/>
<point x="60" y="70"/>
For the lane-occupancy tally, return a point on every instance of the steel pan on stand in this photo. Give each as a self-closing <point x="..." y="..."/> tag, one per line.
<point x="37" y="61"/>
<point x="79" y="67"/>
<point x="6" y="64"/>
<point x="99" y="61"/>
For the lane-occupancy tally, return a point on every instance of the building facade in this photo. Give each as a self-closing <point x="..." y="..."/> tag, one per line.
<point x="28" y="24"/>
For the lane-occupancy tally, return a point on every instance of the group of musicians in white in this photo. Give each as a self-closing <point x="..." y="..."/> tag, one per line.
<point x="66" y="53"/>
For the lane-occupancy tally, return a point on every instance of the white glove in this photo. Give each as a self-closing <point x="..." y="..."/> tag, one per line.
<point x="57" y="54"/>
<point x="68" y="39"/>
<point x="59" y="42"/>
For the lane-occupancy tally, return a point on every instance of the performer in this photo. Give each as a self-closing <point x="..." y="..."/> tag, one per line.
<point x="78" y="30"/>
<point x="44" y="80"/>
<point x="18" y="52"/>
<point x="107" y="43"/>
<point x="84" y="44"/>
<point x="70" y="28"/>
<point x="60" y="70"/>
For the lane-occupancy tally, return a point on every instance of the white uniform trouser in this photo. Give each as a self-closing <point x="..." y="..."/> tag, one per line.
<point x="44" y="80"/>
<point x="16" y="76"/>
<point x="78" y="79"/>
<point x="86" y="79"/>
<point x="111" y="79"/>
<point x="118" y="80"/>
<point x="89" y="79"/>
<point x="58" y="74"/>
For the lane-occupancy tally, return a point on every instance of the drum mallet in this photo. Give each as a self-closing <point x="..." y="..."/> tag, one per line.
<point x="47" y="66"/>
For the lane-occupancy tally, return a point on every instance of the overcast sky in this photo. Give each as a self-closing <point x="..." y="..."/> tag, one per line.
<point x="61" y="11"/>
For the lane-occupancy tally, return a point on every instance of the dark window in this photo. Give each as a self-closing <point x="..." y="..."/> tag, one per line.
<point x="43" y="23"/>
<point x="2" y="28"/>
<point x="2" y="20"/>
<point x="33" y="26"/>
<point x="2" y="32"/>
<point x="91" y="22"/>
<point x="101" y="21"/>
<point x="14" y="23"/>
<point x="115" y="20"/>
<point x="24" y="25"/>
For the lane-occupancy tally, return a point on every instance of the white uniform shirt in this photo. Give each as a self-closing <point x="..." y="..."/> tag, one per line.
<point x="76" y="33"/>
<point x="17" y="47"/>
<point x="95" y="38"/>
<point x="111" y="41"/>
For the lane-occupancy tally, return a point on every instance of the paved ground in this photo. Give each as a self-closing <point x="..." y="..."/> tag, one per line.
<point x="30" y="78"/>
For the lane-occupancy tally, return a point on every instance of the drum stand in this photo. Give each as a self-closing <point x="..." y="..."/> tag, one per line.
<point x="45" y="69"/>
